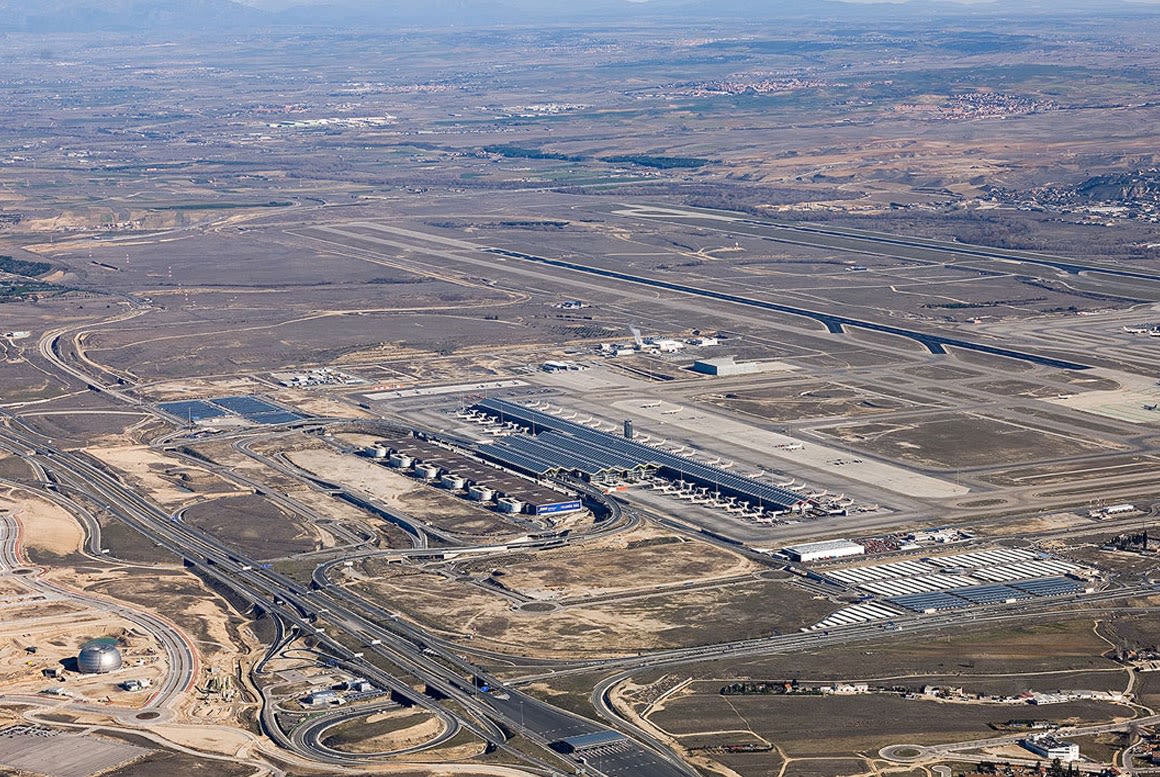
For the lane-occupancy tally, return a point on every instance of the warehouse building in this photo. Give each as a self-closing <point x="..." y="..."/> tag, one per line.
<point x="819" y="551"/>
<point x="725" y="366"/>
<point x="1049" y="747"/>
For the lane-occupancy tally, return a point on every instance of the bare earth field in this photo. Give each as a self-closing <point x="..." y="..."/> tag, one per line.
<point x="965" y="440"/>
<point x="437" y="507"/>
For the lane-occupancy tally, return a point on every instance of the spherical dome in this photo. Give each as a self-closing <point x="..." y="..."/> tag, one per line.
<point x="99" y="656"/>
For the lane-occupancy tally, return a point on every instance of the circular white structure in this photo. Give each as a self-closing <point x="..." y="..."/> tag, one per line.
<point x="99" y="656"/>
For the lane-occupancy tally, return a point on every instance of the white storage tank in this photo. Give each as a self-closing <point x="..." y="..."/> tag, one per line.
<point x="427" y="472"/>
<point x="453" y="482"/>
<point x="509" y="505"/>
<point x="377" y="451"/>
<point x="400" y="460"/>
<point x="481" y="493"/>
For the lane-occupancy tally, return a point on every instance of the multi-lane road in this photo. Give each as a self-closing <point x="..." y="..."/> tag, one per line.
<point x="335" y="622"/>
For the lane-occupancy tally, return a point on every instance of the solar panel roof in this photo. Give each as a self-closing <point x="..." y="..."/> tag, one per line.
<point x="932" y="601"/>
<point x="989" y="594"/>
<point x="192" y="410"/>
<point x="1048" y="586"/>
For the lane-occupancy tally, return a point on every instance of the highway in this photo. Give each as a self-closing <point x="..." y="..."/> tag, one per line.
<point x="415" y="652"/>
<point x="309" y="610"/>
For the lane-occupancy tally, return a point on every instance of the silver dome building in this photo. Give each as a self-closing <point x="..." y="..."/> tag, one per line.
<point x="98" y="656"/>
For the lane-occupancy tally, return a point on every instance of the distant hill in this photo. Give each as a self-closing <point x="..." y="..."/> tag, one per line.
<point x="46" y="16"/>
<point x="175" y="16"/>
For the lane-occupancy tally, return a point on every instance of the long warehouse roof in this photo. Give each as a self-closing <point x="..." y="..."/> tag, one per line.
<point x="561" y="444"/>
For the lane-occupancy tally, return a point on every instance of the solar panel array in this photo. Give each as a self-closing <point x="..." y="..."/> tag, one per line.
<point x="257" y="411"/>
<point x="999" y="565"/>
<point x="865" y="612"/>
<point x="960" y="580"/>
<point x="931" y="601"/>
<point x="192" y="410"/>
<point x="576" y="443"/>
<point x="880" y="572"/>
<point x="916" y="585"/>
<point x="1026" y="570"/>
<point x="1050" y="586"/>
<point x="985" y="558"/>
<point x="254" y="410"/>
<point x="990" y="594"/>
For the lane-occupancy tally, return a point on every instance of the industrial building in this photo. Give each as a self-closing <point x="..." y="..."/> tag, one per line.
<point x="556" y="447"/>
<point x="321" y="697"/>
<point x="818" y="551"/>
<point x="941" y="583"/>
<point x="1049" y="747"/>
<point x="582" y="742"/>
<point x="725" y="366"/>
<point x="99" y="656"/>
<point x="482" y="482"/>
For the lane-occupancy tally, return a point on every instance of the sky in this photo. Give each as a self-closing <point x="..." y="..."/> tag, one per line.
<point x="276" y="5"/>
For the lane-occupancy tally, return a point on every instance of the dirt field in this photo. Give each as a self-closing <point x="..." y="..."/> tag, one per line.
<point x="967" y="440"/>
<point x="855" y="724"/>
<point x="796" y="402"/>
<point x="47" y="528"/>
<point x="168" y="482"/>
<point x="667" y="619"/>
<point x="383" y="732"/>
<point x="112" y="426"/>
<point x="633" y="561"/>
<point x="254" y="525"/>
<point x="326" y="507"/>
<point x="439" y="508"/>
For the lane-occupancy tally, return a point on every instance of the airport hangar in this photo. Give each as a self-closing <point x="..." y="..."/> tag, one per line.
<point x="558" y="447"/>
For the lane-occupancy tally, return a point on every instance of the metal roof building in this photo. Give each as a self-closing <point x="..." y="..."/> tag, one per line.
<point x="816" y="551"/>
<point x="582" y="742"/>
<point x="98" y="656"/>
<point x="562" y="447"/>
